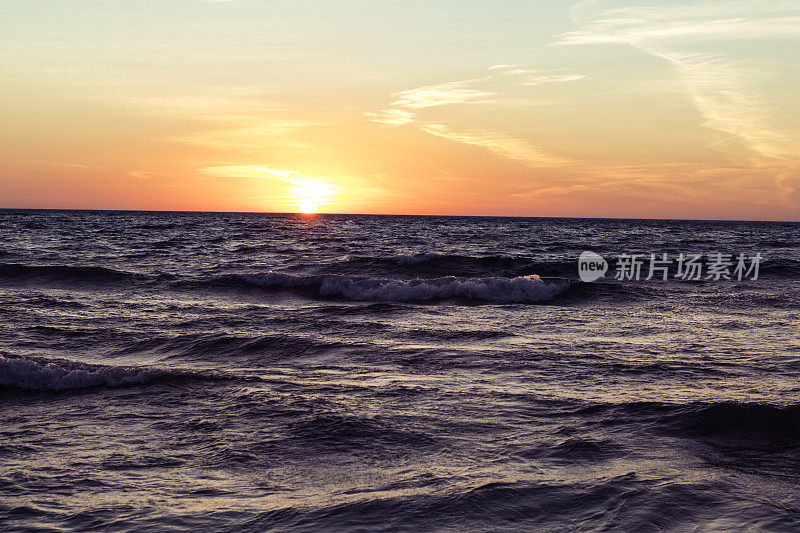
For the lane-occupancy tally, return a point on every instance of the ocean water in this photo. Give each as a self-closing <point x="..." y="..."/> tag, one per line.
<point x="252" y="372"/>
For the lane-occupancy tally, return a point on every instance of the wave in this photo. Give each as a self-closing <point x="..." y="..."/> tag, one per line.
<point x="438" y="265"/>
<point x="618" y="502"/>
<point x="735" y="423"/>
<point x="39" y="374"/>
<point x="349" y="431"/>
<point x="575" y="449"/>
<point x="746" y="422"/>
<point x="780" y="268"/>
<point x="57" y="273"/>
<point x="200" y="345"/>
<point x="521" y="289"/>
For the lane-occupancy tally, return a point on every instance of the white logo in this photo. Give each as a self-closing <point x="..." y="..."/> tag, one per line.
<point x="716" y="266"/>
<point x="591" y="266"/>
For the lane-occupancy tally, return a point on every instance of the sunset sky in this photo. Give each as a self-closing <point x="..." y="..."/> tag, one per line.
<point x="516" y="107"/>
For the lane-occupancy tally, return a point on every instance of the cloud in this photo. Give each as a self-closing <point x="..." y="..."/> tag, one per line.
<point x="56" y="163"/>
<point x="498" y="143"/>
<point x="503" y="67"/>
<point x="246" y="171"/>
<point x="247" y="132"/>
<point x="539" y="80"/>
<point x="724" y="89"/>
<point x="454" y="92"/>
<point x="719" y="91"/>
<point x="408" y="104"/>
<point x="528" y="77"/>
<point x="709" y="20"/>
<point x="634" y="30"/>
<point x="393" y="117"/>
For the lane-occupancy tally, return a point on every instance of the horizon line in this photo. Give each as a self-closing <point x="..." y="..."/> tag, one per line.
<point x="311" y="215"/>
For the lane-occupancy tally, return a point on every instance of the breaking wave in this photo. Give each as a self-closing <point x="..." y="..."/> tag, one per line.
<point x="60" y="374"/>
<point x="520" y="289"/>
<point x="439" y="265"/>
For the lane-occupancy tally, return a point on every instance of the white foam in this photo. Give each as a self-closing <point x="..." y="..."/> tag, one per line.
<point x="493" y="289"/>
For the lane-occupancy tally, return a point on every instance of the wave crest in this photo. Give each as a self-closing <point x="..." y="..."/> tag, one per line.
<point x="520" y="289"/>
<point x="60" y="374"/>
<point x="438" y="265"/>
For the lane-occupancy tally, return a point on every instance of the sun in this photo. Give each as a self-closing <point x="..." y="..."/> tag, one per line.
<point x="308" y="206"/>
<point x="308" y="194"/>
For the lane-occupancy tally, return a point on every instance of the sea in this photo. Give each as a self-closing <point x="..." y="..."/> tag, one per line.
<point x="277" y="372"/>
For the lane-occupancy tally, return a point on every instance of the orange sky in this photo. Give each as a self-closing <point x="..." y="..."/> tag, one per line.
<point x="591" y="108"/>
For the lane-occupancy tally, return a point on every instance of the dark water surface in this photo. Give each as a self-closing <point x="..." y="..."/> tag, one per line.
<point x="248" y="372"/>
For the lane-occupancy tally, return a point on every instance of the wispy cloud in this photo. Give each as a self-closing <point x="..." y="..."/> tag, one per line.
<point x="700" y="188"/>
<point x="56" y="163"/>
<point x="503" y="66"/>
<point x="489" y="89"/>
<point x="728" y="105"/>
<point x="393" y="117"/>
<point x="498" y="143"/>
<point x="530" y="80"/>
<point x="492" y="88"/>
<point x="707" y="21"/>
<point x="521" y="76"/>
<point x="248" y="133"/>
<point x="724" y="91"/>
<point x="454" y="92"/>
<point x="246" y="171"/>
